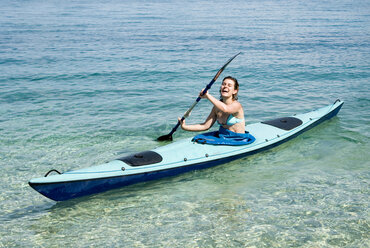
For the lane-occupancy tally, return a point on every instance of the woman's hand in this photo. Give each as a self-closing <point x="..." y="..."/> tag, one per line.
<point x="203" y="96"/>
<point x="182" y="123"/>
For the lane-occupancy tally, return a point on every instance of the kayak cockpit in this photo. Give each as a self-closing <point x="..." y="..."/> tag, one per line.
<point x="224" y="137"/>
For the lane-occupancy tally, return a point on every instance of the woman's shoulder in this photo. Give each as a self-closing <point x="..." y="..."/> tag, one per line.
<point x="237" y="103"/>
<point x="239" y="107"/>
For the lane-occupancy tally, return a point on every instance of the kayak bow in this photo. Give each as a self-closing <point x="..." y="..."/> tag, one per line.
<point x="179" y="157"/>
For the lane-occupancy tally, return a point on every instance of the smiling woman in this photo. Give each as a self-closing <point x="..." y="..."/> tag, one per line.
<point x="204" y="91"/>
<point x="227" y="111"/>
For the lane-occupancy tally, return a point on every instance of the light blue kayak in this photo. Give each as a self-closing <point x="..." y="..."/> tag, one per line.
<point x="175" y="158"/>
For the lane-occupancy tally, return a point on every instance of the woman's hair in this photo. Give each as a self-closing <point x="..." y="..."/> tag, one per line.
<point x="236" y="86"/>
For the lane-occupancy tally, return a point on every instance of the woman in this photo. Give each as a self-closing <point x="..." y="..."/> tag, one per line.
<point x="227" y="111"/>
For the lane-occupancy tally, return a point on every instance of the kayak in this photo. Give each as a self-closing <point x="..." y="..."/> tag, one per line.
<point x="175" y="158"/>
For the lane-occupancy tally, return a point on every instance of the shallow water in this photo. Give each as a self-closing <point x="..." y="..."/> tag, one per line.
<point x="84" y="82"/>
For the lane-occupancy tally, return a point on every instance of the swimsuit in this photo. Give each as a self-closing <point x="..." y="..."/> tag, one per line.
<point x="231" y="120"/>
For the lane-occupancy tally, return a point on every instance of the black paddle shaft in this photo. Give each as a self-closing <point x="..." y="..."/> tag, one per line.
<point x="169" y="136"/>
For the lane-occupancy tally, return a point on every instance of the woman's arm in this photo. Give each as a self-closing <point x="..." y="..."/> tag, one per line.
<point x="211" y="119"/>
<point x="228" y="109"/>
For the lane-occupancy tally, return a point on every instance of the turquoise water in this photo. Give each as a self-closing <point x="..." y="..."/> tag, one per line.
<point x="84" y="82"/>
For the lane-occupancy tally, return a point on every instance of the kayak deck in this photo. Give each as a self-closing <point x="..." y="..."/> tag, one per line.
<point x="175" y="158"/>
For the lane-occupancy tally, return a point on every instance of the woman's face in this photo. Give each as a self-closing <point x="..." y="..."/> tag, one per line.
<point x="228" y="88"/>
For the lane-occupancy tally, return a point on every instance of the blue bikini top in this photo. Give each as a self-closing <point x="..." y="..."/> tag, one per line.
<point x="231" y="120"/>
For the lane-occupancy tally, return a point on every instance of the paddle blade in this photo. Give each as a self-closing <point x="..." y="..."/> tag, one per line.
<point x="167" y="137"/>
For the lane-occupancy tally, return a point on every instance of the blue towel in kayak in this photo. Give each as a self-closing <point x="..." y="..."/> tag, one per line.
<point x="224" y="137"/>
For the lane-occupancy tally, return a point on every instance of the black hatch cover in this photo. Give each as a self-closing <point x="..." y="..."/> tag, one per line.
<point x="286" y="123"/>
<point x="142" y="158"/>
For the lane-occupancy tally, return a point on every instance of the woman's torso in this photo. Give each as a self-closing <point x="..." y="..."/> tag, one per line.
<point x="234" y="122"/>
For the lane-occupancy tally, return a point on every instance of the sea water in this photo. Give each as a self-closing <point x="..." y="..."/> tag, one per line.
<point x="84" y="82"/>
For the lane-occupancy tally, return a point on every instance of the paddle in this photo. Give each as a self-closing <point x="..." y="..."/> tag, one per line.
<point x="168" y="137"/>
